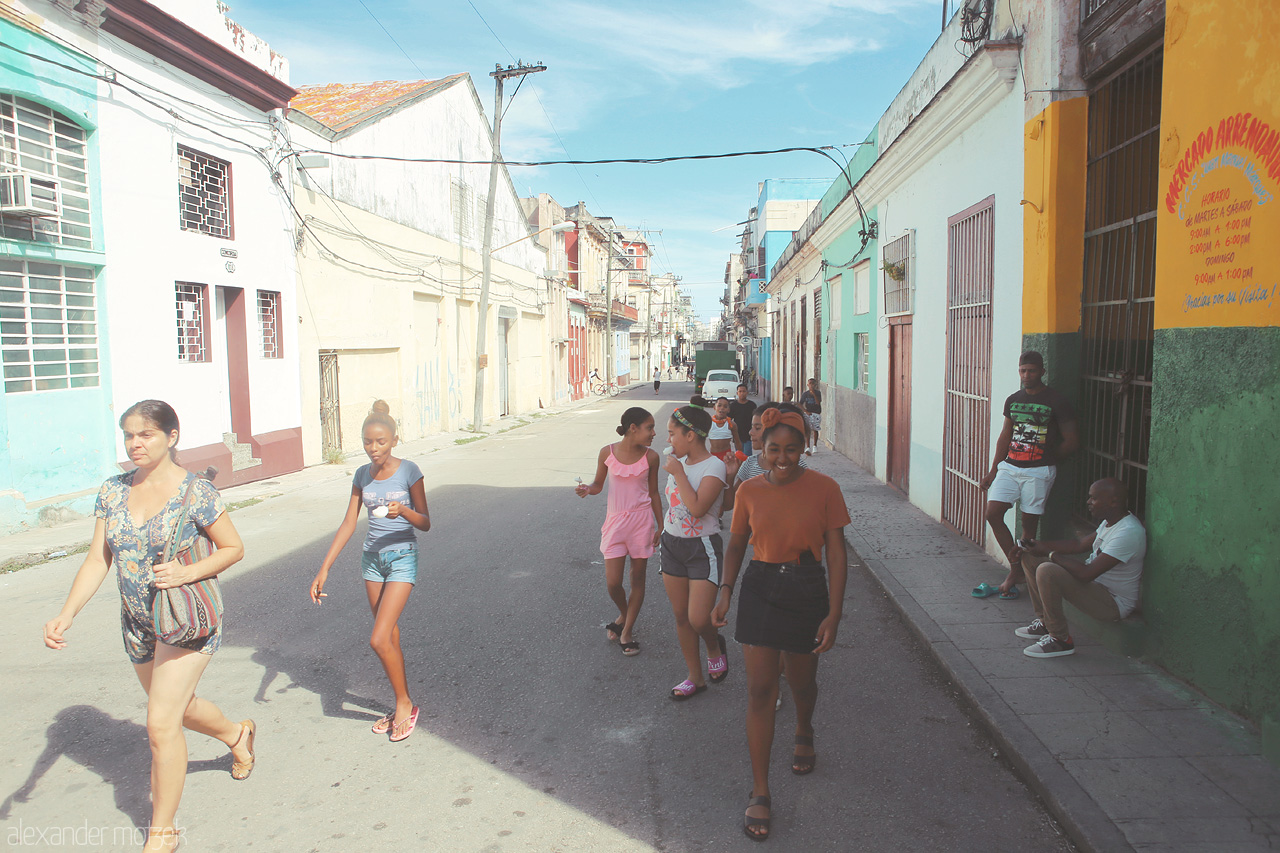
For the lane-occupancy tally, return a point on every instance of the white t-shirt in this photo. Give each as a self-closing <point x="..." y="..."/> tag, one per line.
<point x="679" y="521"/>
<point x="1126" y="540"/>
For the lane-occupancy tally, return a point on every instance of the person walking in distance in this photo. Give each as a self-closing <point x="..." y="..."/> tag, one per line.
<point x="1039" y="430"/>
<point x="788" y="609"/>
<point x="724" y="436"/>
<point x="740" y="410"/>
<point x="788" y="394"/>
<point x="138" y="514"/>
<point x="392" y="493"/>
<point x="811" y="402"/>
<point x="657" y="379"/>
<point x="692" y="549"/>
<point x="633" y="523"/>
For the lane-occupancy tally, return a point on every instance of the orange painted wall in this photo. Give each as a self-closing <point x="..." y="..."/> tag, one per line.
<point x="1054" y="149"/>
<point x="1218" y="227"/>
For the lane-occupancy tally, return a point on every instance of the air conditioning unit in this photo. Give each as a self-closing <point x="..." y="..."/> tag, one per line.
<point x="28" y="194"/>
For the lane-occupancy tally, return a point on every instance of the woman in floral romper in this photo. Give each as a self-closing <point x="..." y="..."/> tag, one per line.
<point x="136" y="512"/>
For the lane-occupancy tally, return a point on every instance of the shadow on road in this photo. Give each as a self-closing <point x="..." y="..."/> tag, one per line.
<point x="108" y="747"/>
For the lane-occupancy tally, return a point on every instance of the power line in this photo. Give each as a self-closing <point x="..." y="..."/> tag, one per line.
<point x="646" y="161"/>
<point x="421" y="73"/>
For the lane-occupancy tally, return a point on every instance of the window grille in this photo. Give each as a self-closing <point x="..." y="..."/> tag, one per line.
<point x="817" y="333"/>
<point x="862" y="346"/>
<point x="34" y="138"/>
<point x="463" y="202"/>
<point x="898" y="276"/>
<point x="48" y="326"/>
<point x="193" y="322"/>
<point x="1117" y="311"/>
<point x="204" y="193"/>
<point x="269" y="323"/>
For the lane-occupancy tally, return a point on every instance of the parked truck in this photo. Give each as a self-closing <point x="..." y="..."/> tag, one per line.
<point x="713" y="355"/>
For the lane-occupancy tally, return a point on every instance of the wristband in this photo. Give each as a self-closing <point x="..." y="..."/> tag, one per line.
<point x="723" y="585"/>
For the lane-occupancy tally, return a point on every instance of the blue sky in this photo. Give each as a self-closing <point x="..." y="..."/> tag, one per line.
<point x="642" y="80"/>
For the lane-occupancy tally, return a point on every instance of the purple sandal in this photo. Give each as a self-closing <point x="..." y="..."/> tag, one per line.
<point x="718" y="667"/>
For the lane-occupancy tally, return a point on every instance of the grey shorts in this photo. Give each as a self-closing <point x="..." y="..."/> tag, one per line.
<point x="696" y="559"/>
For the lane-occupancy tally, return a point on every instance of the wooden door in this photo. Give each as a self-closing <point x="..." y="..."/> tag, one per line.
<point x="899" y="462"/>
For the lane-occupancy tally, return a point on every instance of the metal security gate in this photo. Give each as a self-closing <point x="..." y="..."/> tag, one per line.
<point x="967" y="408"/>
<point x="1117" y="318"/>
<point x="330" y="422"/>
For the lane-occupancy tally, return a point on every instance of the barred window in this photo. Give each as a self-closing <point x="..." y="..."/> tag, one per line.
<point x="463" y="201"/>
<point x="48" y="326"/>
<point x="863" y="348"/>
<point x="34" y="138"/>
<point x="204" y="193"/>
<point x="193" y="322"/>
<point x="269" y="323"/>
<point x="898" y="276"/>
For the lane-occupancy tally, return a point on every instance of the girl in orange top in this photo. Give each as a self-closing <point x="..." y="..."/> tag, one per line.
<point x="788" y="608"/>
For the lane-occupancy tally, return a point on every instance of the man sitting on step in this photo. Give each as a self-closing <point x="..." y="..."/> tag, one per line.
<point x="1105" y="586"/>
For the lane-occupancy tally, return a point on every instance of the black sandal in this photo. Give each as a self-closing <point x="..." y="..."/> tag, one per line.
<point x="764" y="822"/>
<point x="631" y="648"/>
<point x="616" y="629"/>
<point x="802" y="765"/>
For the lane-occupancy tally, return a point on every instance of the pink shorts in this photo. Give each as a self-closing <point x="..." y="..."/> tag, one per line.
<point x="628" y="534"/>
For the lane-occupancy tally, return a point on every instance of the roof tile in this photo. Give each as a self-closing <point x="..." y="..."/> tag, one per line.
<point x="342" y="106"/>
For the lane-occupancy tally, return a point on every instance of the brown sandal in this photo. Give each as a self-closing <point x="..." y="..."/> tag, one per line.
<point x="240" y="770"/>
<point x="802" y="765"/>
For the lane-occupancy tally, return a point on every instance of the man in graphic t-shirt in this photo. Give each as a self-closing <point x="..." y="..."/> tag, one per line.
<point x="1039" y="429"/>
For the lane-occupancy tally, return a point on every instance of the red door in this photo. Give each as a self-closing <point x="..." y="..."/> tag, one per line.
<point x="899" y="402"/>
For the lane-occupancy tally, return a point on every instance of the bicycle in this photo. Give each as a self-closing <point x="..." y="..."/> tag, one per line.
<point x="602" y="389"/>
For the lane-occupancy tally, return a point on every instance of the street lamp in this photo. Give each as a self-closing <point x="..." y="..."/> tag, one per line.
<point x="483" y="312"/>
<point x="558" y="228"/>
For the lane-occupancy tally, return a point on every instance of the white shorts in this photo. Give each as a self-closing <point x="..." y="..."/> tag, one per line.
<point x="1026" y="487"/>
<point x="815" y="421"/>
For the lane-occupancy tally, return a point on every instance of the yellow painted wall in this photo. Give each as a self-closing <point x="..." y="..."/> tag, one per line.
<point x="1218" y="227"/>
<point x="1055" y="147"/>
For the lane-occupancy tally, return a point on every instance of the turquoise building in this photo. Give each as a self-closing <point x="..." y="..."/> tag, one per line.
<point x="57" y="431"/>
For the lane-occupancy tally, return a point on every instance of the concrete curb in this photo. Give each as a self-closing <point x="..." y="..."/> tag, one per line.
<point x="1087" y="825"/>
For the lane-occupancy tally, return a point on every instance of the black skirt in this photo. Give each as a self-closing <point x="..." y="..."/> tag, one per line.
<point x="782" y="605"/>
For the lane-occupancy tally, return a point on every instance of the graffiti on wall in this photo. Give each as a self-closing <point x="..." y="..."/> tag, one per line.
<point x="1222" y="268"/>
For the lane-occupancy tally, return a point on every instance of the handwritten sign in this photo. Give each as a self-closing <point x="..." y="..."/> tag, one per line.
<point x="1219" y="256"/>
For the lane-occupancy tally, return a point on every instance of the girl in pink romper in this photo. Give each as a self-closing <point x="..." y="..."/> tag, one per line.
<point x="634" y="520"/>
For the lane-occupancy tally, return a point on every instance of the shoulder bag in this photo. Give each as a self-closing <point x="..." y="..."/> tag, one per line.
<point x="192" y="611"/>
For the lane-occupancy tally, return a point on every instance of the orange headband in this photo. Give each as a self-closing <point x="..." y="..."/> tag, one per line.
<point x="773" y="417"/>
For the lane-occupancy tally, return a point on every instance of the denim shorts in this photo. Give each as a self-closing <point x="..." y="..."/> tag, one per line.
<point x="395" y="565"/>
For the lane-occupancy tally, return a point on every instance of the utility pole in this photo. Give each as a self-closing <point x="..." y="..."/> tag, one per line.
<point x="486" y="248"/>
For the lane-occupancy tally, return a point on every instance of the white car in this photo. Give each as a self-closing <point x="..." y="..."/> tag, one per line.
<point x="720" y="383"/>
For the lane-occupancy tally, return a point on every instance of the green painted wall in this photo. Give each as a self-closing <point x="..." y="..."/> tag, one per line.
<point x="1212" y="577"/>
<point x="56" y="447"/>
<point x="840" y="256"/>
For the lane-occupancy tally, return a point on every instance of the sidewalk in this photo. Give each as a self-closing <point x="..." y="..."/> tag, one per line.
<point x="1124" y="756"/>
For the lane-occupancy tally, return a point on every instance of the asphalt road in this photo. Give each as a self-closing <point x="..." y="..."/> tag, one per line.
<point x="536" y="733"/>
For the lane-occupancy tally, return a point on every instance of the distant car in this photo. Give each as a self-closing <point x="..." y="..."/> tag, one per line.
<point x="720" y="383"/>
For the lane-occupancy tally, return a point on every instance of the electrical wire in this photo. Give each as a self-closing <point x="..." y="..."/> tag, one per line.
<point x="646" y="161"/>
<point x="421" y="73"/>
